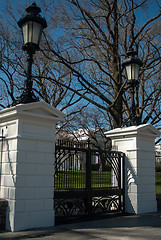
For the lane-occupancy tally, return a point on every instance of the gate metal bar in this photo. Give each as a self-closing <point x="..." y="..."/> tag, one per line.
<point x="74" y="198"/>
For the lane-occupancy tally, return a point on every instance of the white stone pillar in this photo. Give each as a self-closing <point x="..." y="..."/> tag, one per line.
<point x="138" y="144"/>
<point x="27" y="180"/>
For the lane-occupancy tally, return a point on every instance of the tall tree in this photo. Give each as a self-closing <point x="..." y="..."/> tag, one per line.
<point x="94" y="37"/>
<point x="13" y="66"/>
<point x="81" y="55"/>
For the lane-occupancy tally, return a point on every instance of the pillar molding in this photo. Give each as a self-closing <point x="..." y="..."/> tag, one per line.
<point x="27" y="181"/>
<point x="138" y="144"/>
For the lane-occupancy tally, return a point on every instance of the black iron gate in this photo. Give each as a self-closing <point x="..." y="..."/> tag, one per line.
<point x="87" y="181"/>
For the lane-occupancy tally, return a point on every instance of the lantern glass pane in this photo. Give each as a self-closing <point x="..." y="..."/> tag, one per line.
<point x="132" y="71"/>
<point x="128" y="71"/>
<point x="30" y="31"/>
<point x="135" y="71"/>
<point x="25" y="32"/>
<point x="37" y="30"/>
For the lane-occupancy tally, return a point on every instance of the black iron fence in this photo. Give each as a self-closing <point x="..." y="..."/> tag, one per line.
<point x="88" y="180"/>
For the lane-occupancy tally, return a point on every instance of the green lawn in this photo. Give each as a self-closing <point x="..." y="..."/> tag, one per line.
<point x="70" y="179"/>
<point x="77" y="179"/>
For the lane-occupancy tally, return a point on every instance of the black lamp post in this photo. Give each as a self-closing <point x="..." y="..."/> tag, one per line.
<point x="32" y="25"/>
<point x="132" y="66"/>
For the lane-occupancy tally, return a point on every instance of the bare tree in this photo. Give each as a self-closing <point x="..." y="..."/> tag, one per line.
<point x="95" y="36"/>
<point x="45" y="72"/>
<point x="81" y="53"/>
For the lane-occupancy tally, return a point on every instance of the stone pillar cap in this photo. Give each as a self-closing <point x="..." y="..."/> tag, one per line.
<point x="144" y="129"/>
<point x="39" y="110"/>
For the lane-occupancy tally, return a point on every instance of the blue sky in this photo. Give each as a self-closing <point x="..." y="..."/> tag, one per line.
<point x="142" y="15"/>
<point x="151" y="10"/>
<point x="147" y="12"/>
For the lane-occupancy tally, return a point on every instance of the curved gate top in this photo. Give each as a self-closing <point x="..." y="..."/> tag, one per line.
<point x="87" y="180"/>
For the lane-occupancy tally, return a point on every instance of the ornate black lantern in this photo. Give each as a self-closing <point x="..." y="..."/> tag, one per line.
<point x="132" y="66"/>
<point x="32" y="25"/>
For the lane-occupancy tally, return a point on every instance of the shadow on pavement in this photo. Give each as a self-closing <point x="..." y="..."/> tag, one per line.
<point x="126" y="227"/>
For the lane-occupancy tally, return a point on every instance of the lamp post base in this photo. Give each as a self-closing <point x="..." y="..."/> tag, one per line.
<point x="26" y="97"/>
<point x="131" y="121"/>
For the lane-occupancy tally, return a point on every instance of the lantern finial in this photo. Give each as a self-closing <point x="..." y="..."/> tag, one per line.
<point x="131" y="52"/>
<point x="33" y="8"/>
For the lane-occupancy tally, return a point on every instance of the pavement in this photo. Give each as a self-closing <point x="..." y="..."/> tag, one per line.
<point x="126" y="227"/>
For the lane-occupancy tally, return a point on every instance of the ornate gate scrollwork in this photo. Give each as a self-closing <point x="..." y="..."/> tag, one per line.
<point x="87" y="181"/>
<point x="105" y="204"/>
<point x="69" y="207"/>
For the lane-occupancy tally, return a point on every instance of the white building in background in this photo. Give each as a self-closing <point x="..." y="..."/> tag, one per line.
<point x="158" y="154"/>
<point x="95" y="137"/>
